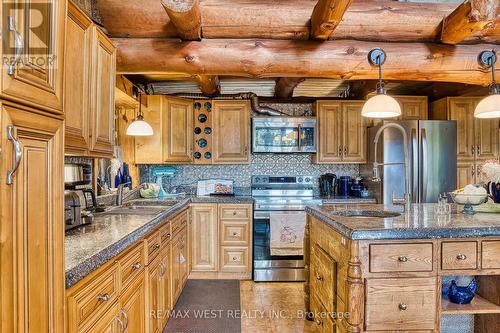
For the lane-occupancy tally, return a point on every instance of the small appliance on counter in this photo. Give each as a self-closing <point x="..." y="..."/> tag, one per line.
<point x="79" y="198"/>
<point x="328" y="185"/>
<point x="215" y="187"/>
<point x="160" y="172"/>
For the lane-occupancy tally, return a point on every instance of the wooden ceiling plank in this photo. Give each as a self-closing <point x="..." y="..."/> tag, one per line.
<point x="469" y="19"/>
<point x="285" y="86"/>
<point x="326" y="16"/>
<point x="209" y="84"/>
<point x="340" y="59"/>
<point x="186" y="17"/>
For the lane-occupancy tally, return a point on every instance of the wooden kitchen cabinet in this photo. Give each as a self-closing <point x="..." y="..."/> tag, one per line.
<point x="103" y="73"/>
<point x="413" y="107"/>
<point x="133" y="308"/>
<point x="36" y="77"/>
<point x="165" y="286"/>
<point x="172" y="122"/>
<point x="178" y="131"/>
<point x="341" y="132"/>
<point x="77" y="80"/>
<point x="231" y="132"/>
<point x="204" y="246"/>
<point x="109" y="322"/>
<point x="154" y="275"/>
<point x="32" y="231"/>
<point x="477" y="139"/>
<point x="89" y="86"/>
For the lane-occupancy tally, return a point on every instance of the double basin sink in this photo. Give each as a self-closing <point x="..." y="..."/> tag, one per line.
<point x="153" y="207"/>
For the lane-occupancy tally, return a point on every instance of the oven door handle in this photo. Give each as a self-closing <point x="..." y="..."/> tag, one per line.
<point x="267" y="214"/>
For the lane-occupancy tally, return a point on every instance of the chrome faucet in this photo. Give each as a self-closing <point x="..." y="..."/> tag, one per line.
<point x="376" y="178"/>
<point x="119" y="194"/>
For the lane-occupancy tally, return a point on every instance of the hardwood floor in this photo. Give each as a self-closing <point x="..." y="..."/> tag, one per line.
<point x="273" y="308"/>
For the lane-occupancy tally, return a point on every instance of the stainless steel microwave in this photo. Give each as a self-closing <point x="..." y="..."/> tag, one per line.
<point x="284" y="135"/>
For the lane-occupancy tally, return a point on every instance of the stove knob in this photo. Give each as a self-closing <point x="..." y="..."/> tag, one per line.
<point x="257" y="179"/>
<point x="300" y="179"/>
<point x="308" y="180"/>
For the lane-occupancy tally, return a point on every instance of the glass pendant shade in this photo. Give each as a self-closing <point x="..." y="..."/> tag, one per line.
<point x="381" y="106"/>
<point x="139" y="127"/>
<point x="488" y="107"/>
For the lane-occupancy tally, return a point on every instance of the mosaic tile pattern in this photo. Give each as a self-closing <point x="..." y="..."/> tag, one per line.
<point x="261" y="164"/>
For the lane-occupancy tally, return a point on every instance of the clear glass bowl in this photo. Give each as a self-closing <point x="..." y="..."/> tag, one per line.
<point x="469" y="200"/>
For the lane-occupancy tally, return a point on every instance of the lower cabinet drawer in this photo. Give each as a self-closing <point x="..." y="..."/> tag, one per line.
<point x="323" y="320"/>
<point x="235" y="212"/>
<point x="88" y="303"/>
<point x="234" y="233"/>
<point x="132" y="264"/>
<point x="401" y="304"/>
<point x="323" y="277"/>
<point x="491" y="254"/>
<point x="458" y="255"/>
<point x="165" y="234"/>
<point x="404" y="257"/>
<point x="153" y="245"/>
<point x="234" y="259"/>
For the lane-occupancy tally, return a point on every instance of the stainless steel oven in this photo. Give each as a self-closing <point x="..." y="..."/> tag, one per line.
<point x="284" y="135"/>
<point x="282" y="195"/>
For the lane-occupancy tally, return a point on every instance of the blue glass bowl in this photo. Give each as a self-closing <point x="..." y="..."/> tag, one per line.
<point x="462" y="295"/>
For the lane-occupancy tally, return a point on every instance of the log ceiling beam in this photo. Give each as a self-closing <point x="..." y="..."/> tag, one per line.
<point x="285" y="86"/>
<point x="340" y="59"/>
<point x="369" y="20"/>
<point x="469" y="19"/>
<point x="326" y="16"/>
<point x="186" y="17"/>
<point x="209" y="84"/>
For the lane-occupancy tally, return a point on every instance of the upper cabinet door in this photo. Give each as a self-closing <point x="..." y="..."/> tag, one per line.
<point x="354" y="132"/>
<point x="462" y="110"/>
<point x="413" y="107"/>
<point x="231" y="138"/>
<point x="77" y="80"/>
<point x="102" y="94"/>
<point x="148" y="149"/>
<point x="178" y="131"/>
<point x="33" y="41"/>
<point x="329" y="115"/>
<point x="487" y="137"/>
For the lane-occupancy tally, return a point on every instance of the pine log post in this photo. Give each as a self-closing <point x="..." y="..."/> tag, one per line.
<point x="186" y="16"/>
<point x="285" y="86"/>
<point x="209" y="84"/>
<point x="468" y="19"/>
<point x="326" y="16"/>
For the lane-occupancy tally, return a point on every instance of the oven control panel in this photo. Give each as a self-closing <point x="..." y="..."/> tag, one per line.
<point x="282" y="180"/>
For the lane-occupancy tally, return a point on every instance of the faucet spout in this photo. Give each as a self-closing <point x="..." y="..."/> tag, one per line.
<point x="376" y="177"/>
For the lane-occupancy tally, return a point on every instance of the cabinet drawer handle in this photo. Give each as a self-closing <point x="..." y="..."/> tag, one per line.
<point x="319" y="277"/>
<point x="17" y="154"/>
<point x="19" y="44"/>
<point x="403" y="259"/>
<point x="156" y="247"/>
<point x="137" y="265"/>
<point x="319" y="322"/>
<point x="122" y="326"/>
<point x="235" y="258"/>
<point x="168" y="236"/>
<point x="478" y="149"/>
<point x="125" y="315"/>
<point x="234" y="212"/>
<point x="345" y="150"/>
<point x="403" y="306"/>
<point x="235" y="233"/>
<point x="103" y="298"/>
<point x="461" y="256"/>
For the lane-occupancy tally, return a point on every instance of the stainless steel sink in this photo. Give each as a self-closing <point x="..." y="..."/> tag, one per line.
<point x="367" y="213"/>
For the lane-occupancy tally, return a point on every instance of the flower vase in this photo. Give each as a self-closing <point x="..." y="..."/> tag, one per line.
<point x="495" y="192"/>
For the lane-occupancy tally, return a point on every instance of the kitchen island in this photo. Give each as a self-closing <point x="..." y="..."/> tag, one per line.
<point x="385" y="274"/>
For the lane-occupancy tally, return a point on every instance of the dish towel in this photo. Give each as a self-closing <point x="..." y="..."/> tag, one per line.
<point x="287" y="233"/>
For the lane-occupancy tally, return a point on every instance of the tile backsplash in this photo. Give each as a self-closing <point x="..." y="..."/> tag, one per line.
<point x="261" y="164"/>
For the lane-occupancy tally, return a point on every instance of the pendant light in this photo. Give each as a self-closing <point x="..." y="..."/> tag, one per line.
<point x="489" y="107"/>
<point x="139" y="127"/>
<point x="381" y="105"/>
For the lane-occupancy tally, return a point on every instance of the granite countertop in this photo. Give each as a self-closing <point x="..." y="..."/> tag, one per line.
<point x="89" y="247"/>
<point x="419" y="223"/>
<point x="342" y="200"/>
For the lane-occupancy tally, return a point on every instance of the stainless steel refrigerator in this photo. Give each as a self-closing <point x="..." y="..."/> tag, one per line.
<point x="432" y="160"/>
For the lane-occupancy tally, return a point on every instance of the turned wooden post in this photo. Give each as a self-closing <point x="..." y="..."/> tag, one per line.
<point x="355" y="291"/>
<point x="307" y="260"/>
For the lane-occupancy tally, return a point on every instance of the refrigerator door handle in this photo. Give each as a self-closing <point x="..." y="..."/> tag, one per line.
<point x="423" y="158"/>
<point x="414" y="170"/>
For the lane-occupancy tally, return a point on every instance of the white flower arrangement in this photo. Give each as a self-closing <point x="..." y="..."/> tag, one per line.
<point x="491" y="171"/>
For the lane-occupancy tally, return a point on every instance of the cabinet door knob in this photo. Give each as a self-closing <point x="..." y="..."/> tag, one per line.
<point x="319" y="277"/>
<point x="103" y="298"/>
<point x="235" y="233"/>
<point x="137" y="265"/>
<point x="461" y="256"/>
<point x="319" y="322"/>
<point x="403" y="306"/>
<point x="403" y="259"/>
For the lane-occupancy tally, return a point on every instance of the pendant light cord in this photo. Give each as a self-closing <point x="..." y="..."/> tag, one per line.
<point x="494" y="89"/>
<point x="380" y="84"/>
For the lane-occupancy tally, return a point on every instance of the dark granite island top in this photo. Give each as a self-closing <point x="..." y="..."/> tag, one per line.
<point x="419" y="223"/>
<point x="89" y="247"/>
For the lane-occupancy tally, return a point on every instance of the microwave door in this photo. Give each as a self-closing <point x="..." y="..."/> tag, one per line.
<point x="275" y="139"/>
<point x="307" y="138"/>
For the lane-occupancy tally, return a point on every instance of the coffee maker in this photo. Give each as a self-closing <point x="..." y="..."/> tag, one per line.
<point x="79" y="198"/>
